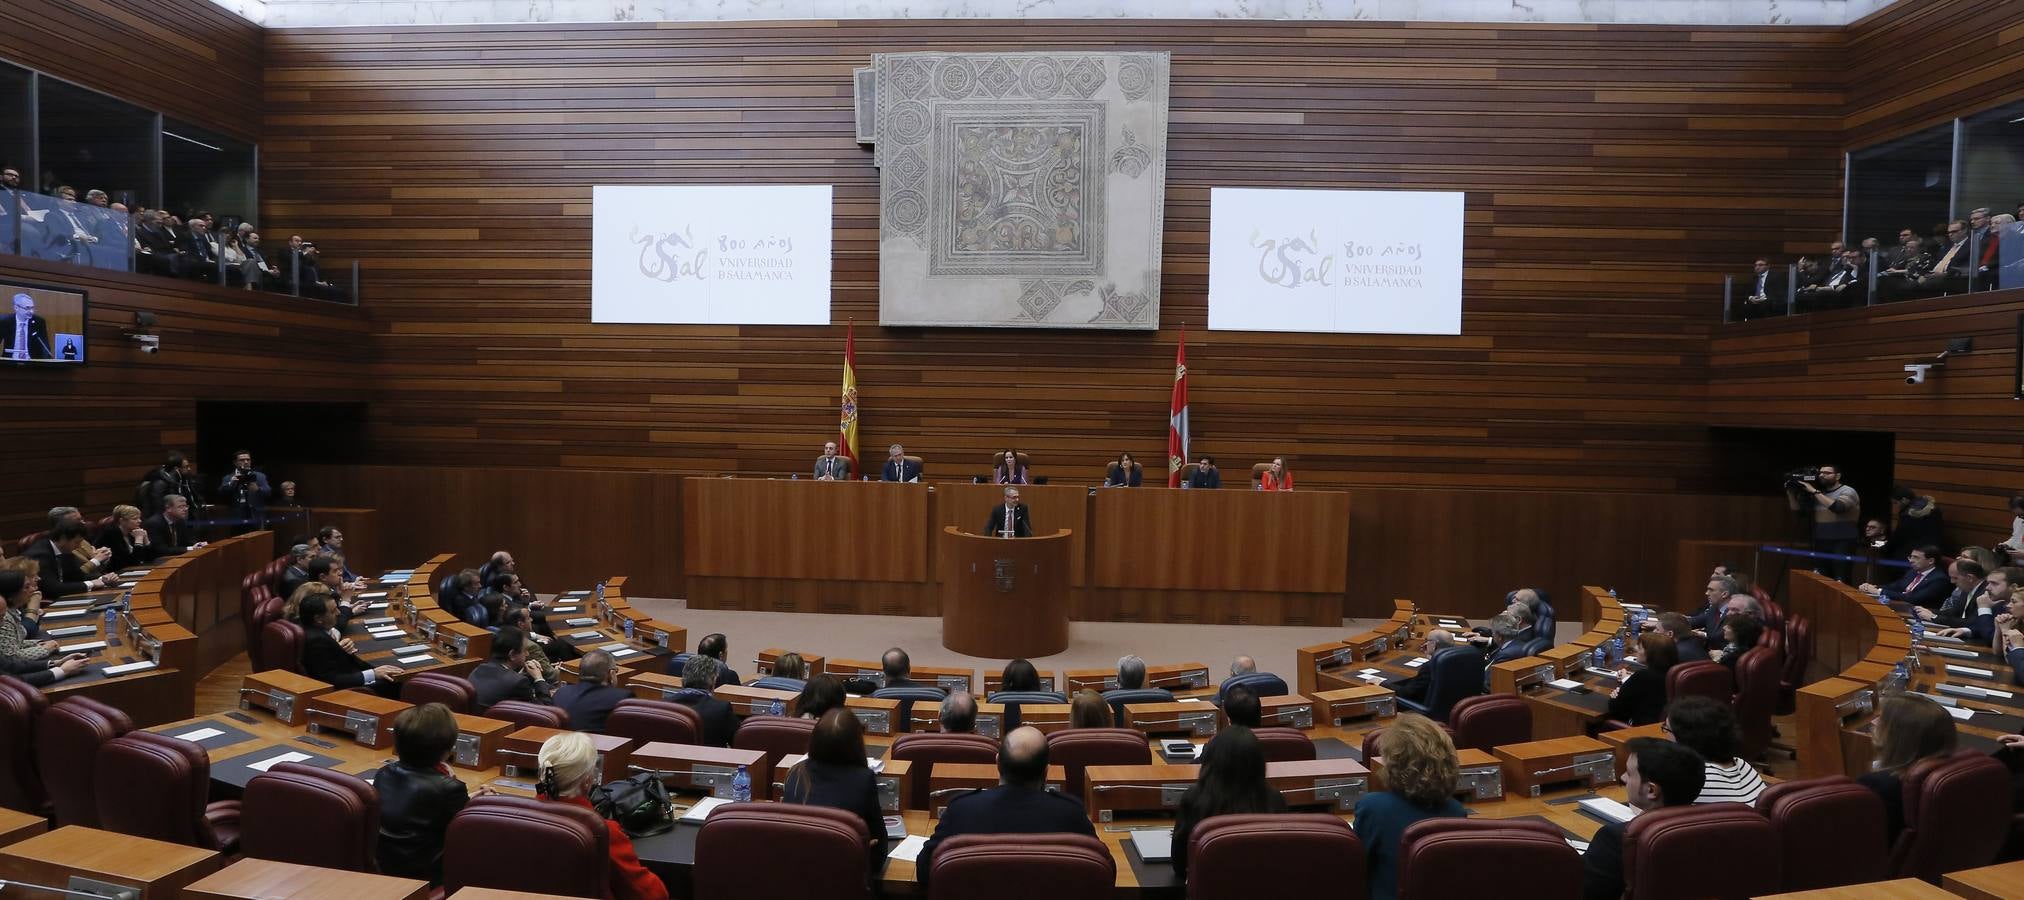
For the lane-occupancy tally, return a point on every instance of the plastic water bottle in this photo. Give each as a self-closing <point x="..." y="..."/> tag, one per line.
<point x="794" y="477"/>
<point x="1918" y="629"/>
<point x="1616" y="649"/>
<point x="779" y="708"/>
<point x="1612" y="593"/>
<point x="112" y="624"/>
<point x="741" y="786"/>
<point x="1601" y="657"/>
<point x="628" y="629"/>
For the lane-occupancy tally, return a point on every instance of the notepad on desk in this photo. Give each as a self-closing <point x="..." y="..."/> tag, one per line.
<point x="1154" y="844"/>
<point x="372" y="595"/>
<point x="581" y="621"/>
<point x="1971" y="671"/>
<point x="1935" y="636"/>
<point x="567" y="609"/>
<point x="1959" y="712"/>
<point x="702" y="809"/>
<point x="623" y="652"/>
<point x="69" y="604"/>
<point x="410" y="650"/>
<point x="1609" y="809"/>
<point x="586" y="635"/>
<point x="382" y="620"/>
<point x="72" y="631"/>
<point x="909" y="850"/>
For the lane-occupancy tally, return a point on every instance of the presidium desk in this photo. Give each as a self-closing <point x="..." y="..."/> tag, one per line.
<point x="1148" y="554"/>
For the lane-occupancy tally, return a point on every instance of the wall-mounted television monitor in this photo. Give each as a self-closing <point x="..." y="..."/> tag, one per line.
<point x="41" y="325"/>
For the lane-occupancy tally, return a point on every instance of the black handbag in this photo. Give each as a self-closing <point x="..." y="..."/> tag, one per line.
<point x="638" y="804"/>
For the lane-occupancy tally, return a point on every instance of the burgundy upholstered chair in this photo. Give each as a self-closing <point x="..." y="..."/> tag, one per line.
<point x="573" y="845"/>
<point x="1022" y="867"/>
<point x="523" y="713"/>
<point x="1700" y="678"/>
<point x="1283" y="855"/>
<point x="459" y="694"/>
<point x="1798" y="655"/>
<point x="1076" y="749"/>
<point x="1442" y="858"/>
<point x="1757" y="675"/>
<point x="21" y="707"/>
<point x="310" y="817"/>
<point x="654" y="720"/>
<point x="1831" y="829"/>
<point x="1667" y="852"/>
<point x="738" y="853"/>
<point x="68" y="737"/>
<point x="268" y="610"/>
<point x="1282" y="745"/>
<point x="175" y="777"/>
<point x="924" y="750"/>
<point x="1957" y="815"/>
<point x="1490" y="720"/>
<point x="776" y="736"/>
<point x="281" y="646"/>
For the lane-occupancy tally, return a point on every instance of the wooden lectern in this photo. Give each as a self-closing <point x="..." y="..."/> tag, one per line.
<point x="1005" y="598"/>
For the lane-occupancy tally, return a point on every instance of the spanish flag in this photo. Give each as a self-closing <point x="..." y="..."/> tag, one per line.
<point x="1177" y="415"/>
<point x="846" y="432"/>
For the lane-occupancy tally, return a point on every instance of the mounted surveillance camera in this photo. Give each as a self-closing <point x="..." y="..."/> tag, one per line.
<point x="1917" y="372"/>
<point x="149" y="343"/>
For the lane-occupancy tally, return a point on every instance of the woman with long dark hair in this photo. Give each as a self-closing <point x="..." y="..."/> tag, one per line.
<point x="1909" y="728"/>
<point x="1232" y="780"/>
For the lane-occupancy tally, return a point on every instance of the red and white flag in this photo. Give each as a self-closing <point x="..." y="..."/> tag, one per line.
<point x="1177" y="417"/>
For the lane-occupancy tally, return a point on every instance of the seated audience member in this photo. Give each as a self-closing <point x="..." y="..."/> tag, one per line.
<point x="501" y="562"/>
<point x="1203" y="474"/>
<point x="1763" y="291"/>
<point x="126" y="539"/>
<point x="1874" y="535"/>
<point x="466" y="600"/>
<point x="1909" y="728"/>
<point x="1507" y="642"/>
<point x="1686" y="644"/>
<point x="291" y="608"/>
<point x="1978" y="618"/>
<point x="899" y="671"/>
<point x="568" y="773"/>
<point x="287" y="494"/>
<point x="418" y="795"/>
<point x="823" y="693"/>
<point x="91" y="560"/>
<point x="1708" y="619"/>
<point x="1131" y="686"/>
<point x="329" y="573"/>
<point x="327" y="658"/>
<point x="1982" y="556"/>
<point x="1922" y="585"/>
<point x="517" y="617"/>
<point x="17" y="629"/>
<point x="699" y="679"/>
<point x="1020" y="683"/>
<point x="1123" y="472"/>
<point x="2012" y="547"/>
<point x="1276" y="476"/>
<point x="297" y="572"/>
<point x="200" y="248"/>
<point x="959" y="713"/>
<point x="1709" y="728"/>
<point x="2009" y="645"/>
<point x="169" y="530"/>
<point x="1949" y="272"/>
<point x="509" y="674"/>
<point x="1739" y="633"/>
<point x="1020" y="804"/>
<point x="898" y="468"/>
<point x="595" y="692"/>
<point x="1087" y="710"/>
<point x="1244" y="672"/>
<point x="1656" y="773"/>
<point x="1416" y="687"/>
<point x="1241" y="707"/>
<point x="718" y="648"/>
<point x="1008" y="469"/>
<point x="1640" y="696"/>
<point x="831" y="466"/>
<point x="1231" y="780"/>
<point x="1969" y="582"/>
<point x="1420" y="773"/>
<point x="835" y="775"/>
<point x="329" y="541"/>
<point x="155" y="249"/>
<point x="40" y="673"/>
<point x="60" y="572"/>
<point x="790" y="673"/>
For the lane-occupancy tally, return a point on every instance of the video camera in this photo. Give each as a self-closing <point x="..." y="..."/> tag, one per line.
<point x="1802" y="474"/>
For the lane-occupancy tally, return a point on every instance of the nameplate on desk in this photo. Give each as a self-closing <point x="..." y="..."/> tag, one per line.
<point x="574" y="594"/>
<point x="373" y="595"/>
<point x="1971" y="671"/>
<point x="135" y="573"/>
<point x="81" y="648"/>
<point x="72" y="631"/>
<point x="129" y="668"/>
<point x="1446" y="624"/>
<point x="614" y="647"/>
<point x="567" y="609"/>
<point x="410" y="650"/>
<point x="1416" y="662"/>
<point x="1949" y="651"/>
<point x="579" y="623"/>
<point x="381" y="634"/>
<point x="382" y="620"/>
<point x="1931" y="636"/>
<point x="623" y="652"/>
<point x="1609" y="809"/>
<point x="69" y="604"/>
<point x="373" y="606"/>
<point x="1566" y="684"/>
<point x="414" y="660"/>
<point x="1968" y="690"/>
<point x="66" y="614"/>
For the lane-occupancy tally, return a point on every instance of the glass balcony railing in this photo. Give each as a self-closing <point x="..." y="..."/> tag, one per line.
<point x="1987" y="259"/>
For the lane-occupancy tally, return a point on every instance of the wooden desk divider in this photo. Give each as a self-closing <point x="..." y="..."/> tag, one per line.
<point x="280" y="692"/>
<point x="1569" y="657"/>
<point x="948" y="781"/>
<point x="880" y="717"/>
<point x="1312" y="661"/>
<point x="1332" y="784"/>
<point x="463" y="640"/>
<point x="1619" y="739"/>
<point x="1181" y="678"/>
<point x="666" y="635"/>
<point x="1529" y="767"/>
<point x="367" y="717"/>
<point x="657" y="686"/>
<point x="1098" y="680"/>
<point x="763" y="662"/>
<point x="948" y="678"/>
<point x="1290" y="711"/>
<point x="429" y="623"/>
<point x="478" y="740"/>
<point x="995" y="681"/>
<point x="1515" y="676"/>
<point x="1156" y="787"/>
<point x="519" y="753"/>
<point x="694" y="767"/>
<point x="1189" y="719"/>
<point x="19" y="826"/>
<point x="105" y="860"/>
<point x="1356" y="702"/>
<point x="1051" y="717"/>
<point x="991" y="719"/>
<point x="1821" y="711"/>
<point x="1370" y="645"/>
<point x="895" y="789"/>
<point x="847" y="669"/>
<point x="744" y="700"/>
<point x="258" y="879"/>
<point x="944" y="677"/>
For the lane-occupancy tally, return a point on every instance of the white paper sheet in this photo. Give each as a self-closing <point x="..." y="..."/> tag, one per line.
<point x="129" y="668"/>
<point x="909" y="850"/>
<point x="272" y="761"/>
<point x="1971" y="671"/>
<point x="703" y="808"/>
<point x="412" y="660"/>
<point x="1959" y="712"/>
<point x="1416" y="662"/>
<point x="1609" y="809"/>
<point x="80" y="648"/>
<point x="199" y="735"/>
<point x="1565" y="684"/>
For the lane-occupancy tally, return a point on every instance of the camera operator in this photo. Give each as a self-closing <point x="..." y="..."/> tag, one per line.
<point x="245" y="488"/>
<point x="1836" y="511"/>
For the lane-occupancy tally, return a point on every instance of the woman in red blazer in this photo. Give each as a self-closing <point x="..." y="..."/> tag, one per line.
<point x="1276" y="477"/>
<point x="568" y="772"/>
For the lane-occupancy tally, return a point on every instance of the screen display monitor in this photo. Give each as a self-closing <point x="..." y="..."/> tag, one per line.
<point x="41" y="325"/>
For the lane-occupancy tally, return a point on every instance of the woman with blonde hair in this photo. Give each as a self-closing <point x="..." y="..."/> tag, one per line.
<point x="127" y="540"/>
<point x="1909" y="728"/>
<point x="568" y="772"/>
<point x="1420" y="775"/>
<point x="305" y="591"/>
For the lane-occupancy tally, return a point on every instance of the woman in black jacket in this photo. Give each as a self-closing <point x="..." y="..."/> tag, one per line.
<point x="1641" y="698"/>
<point x="1232" y="780"/>
<point x="835" y="775"/>
<point x="418" y="795"/>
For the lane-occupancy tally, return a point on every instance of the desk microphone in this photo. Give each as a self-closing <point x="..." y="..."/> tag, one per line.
<point x="80" y="887"/>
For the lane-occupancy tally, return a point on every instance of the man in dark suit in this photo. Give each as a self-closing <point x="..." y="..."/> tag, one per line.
<point x="1763" y="291"/>
<point x="898" y="467"/>
<point x="509" y="675"/>
<point x="1507" y="642"/>
<point x="169" y="530"/>
<point x="1691" y="647"/>
<point x="328" y="659"/>
<point x="899" y="670"/>
<point x="1204" y="474"/>
<point x="23" y="334"/>
<point x="155" y="245"/>
<point x="1922" y="586"/>
<point x="699" y="679"/>
<point x="831" y="466"/>
<point x="297" y="573"/>
<point x="1656" y="773"/>
<point x="1708" y="620"/>
<point x="200" y="247"/>
<point x="1845" y="285"/>
<point x="1020" y="804"/>
<point x="1970" y="583"/>
<point x="61" y="575"/>
<point x="592" y="697"/>
<point x="718" y="648"/>
<point x="176" y="476"/>
<point x="1021" y="522"/>
<point x="1415" y="688"/>
<point x="245" y="489"/>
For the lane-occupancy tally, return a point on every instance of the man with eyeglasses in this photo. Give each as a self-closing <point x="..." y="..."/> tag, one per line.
<point x="23" y="334"/>
<point x="1950" y="270"/>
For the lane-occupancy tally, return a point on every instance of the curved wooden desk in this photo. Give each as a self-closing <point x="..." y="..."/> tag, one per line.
<point x="1004" y="599"/>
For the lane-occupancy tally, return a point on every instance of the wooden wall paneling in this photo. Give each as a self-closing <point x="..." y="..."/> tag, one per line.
<point x="1230" y="540"/>
<point x="843" y="530"/>
<point x="1920" y="63"/>
<point x="969" y="507"/>
<point x="190" y="59"/>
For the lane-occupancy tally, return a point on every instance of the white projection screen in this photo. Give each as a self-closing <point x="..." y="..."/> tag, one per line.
<point x="1365" y="262"/>
<point x="710" y="254"/>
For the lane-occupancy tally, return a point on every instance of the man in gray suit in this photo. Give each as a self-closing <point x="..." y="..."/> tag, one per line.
<point x="830" y="466"/>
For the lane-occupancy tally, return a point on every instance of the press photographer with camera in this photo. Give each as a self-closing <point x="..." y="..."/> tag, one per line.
<point x="1836" y="511"/>
<point x="245" y="489"/>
